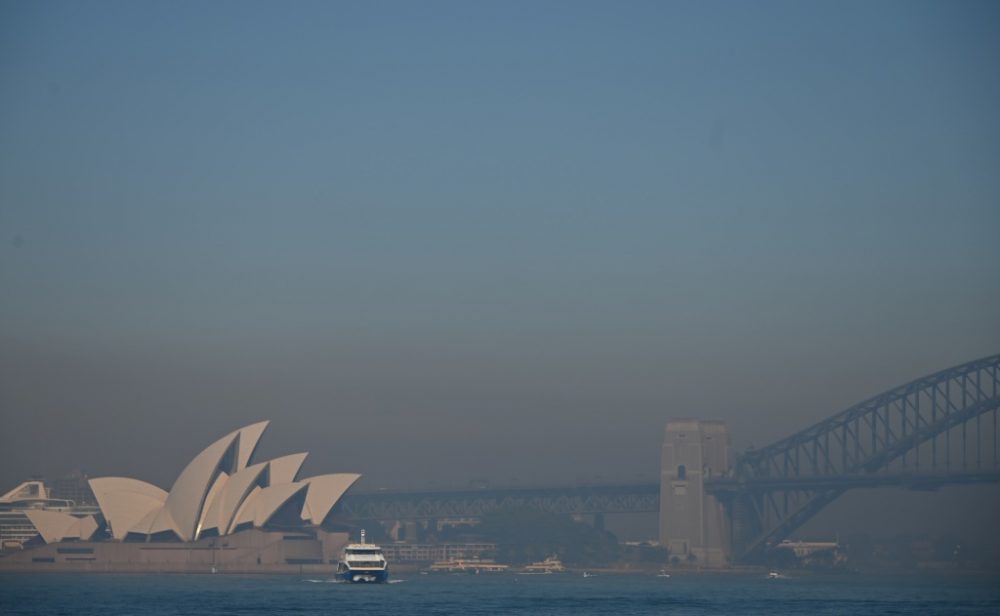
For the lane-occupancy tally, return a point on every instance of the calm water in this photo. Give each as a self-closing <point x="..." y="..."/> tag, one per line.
<point x="570" y="594"/>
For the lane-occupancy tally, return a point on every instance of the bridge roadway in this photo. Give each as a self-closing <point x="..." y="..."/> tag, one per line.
<point x="475" y="502"/>
<point x="608" y="498"/>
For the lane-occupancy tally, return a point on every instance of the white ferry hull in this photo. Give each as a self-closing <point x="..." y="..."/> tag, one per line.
<point x="365" y="576"/>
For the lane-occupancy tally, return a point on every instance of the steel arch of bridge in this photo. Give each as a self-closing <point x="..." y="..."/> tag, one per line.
<point x="929" y="430"/>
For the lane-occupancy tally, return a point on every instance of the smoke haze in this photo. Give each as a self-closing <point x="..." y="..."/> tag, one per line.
<point x="503" y="242"/>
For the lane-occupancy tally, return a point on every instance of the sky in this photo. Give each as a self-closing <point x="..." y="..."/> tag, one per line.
<point x="442" y="242"/>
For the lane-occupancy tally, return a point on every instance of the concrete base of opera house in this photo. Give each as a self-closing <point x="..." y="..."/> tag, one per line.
<point x="249" y="551"/>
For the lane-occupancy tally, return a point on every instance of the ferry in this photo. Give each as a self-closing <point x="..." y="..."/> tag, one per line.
<point x="363" y="562"/>
<point x="552" y="564"/>
<point x="472" y="565"/>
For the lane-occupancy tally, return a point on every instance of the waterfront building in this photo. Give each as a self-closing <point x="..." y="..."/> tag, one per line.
<point x="222" y="510"/>
<point x="437" y="552"/>
<point x="32" y="497"/>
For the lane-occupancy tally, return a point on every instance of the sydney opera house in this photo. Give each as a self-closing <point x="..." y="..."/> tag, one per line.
<point x="224" y="512"/>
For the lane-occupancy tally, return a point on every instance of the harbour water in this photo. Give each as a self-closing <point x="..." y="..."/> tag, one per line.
<point x="557" y="594"/>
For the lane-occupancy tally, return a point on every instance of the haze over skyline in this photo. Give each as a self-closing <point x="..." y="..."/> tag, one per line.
<point x="502" y="241"/>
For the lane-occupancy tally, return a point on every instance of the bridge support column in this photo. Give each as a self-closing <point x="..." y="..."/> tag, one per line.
<point x="693" y="524"/>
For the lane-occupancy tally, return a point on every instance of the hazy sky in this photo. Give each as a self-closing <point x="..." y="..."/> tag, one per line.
<point x="441" y="241"/>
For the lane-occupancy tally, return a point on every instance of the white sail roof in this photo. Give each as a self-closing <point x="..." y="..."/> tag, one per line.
<point x="222" y="509"/>
<point x="324" y="492"/>
<point x="188" y="494"/>
<point x="55" y="526"/>
<point x="125" y="501"/>
<point x="213" y="494"/>
<point x="286" y="468"/>
<point x="266" y="502"/>
<point x="249" y="437"/>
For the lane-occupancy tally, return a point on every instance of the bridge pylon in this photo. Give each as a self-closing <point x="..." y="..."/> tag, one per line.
<point x="693" y="525"/>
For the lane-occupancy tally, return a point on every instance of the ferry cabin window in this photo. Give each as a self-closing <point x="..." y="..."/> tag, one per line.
<point x="681" y="472"/>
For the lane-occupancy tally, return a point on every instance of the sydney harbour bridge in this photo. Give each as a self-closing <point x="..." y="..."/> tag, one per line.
<point x="936" y="431"/>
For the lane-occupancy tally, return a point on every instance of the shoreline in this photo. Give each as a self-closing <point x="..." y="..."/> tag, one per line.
<point x="408" y="569"/>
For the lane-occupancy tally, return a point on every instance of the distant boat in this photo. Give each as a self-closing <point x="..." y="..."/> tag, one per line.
<point x="663" y="574"/>
<point x="586" y="574"/>
<point x="774" y="575"/>
<point x="552" y="564"/>
<point x="472" y="565"/>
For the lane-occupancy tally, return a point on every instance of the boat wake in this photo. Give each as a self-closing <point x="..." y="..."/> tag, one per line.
<point x="339" y="581"/>
<point x="330" y="581"/>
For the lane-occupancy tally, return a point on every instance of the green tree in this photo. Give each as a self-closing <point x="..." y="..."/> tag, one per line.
<point x="527" y="536"/>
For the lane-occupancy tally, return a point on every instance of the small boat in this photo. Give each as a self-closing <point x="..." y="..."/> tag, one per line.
<point x="663" y="574"/>
<point x="363" y="563"/>
<point x="774" y="575"/>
